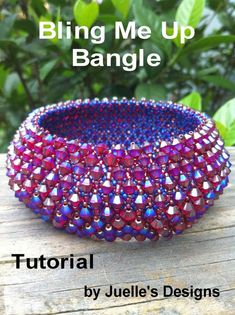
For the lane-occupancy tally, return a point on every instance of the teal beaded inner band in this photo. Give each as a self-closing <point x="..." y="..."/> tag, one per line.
<point x="118" y="168"/>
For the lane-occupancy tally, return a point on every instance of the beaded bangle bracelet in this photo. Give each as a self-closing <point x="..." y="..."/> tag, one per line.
<point x="118" y="168"/>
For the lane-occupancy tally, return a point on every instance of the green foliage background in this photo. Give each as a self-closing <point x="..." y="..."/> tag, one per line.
<point x="35" y="72"/>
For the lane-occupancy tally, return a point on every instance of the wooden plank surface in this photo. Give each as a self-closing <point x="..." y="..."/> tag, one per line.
<point x="202" y="257"/>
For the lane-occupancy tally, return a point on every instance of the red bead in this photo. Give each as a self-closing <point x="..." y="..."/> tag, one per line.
<point x="97" y="172"/>
<point x="128" y="161"/>
<point x="107" y="187"/>
<point x="101" y="148"/>
<point x="110" y="159"/>
<point x="86" y="185"/>
<point x="48" y="163"/>
<point x="129" y="187"/>
<point x="91" y="160"/>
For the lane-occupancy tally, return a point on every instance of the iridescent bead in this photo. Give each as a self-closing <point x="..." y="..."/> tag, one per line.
<point x="52" y="178"/>
<point x="48" y="163"/>
<point x="66" y="210"/>
<point x="101" y="148"/>
<point x="43" y="191"/>
<point x="144" y="160"/>
<point x="65" y="168"/>
<point x="91" y="160"/>
<point x="172" y="211"/>
<point x="138" y="173"/>
<point x="72" y="146"/>
<point x="174" y="169"/>
<point x="149" y="214"/>
<point x="71" y="228"/>
<point x="119" y="173"/>
<point x="107" y="187"/>
<point x="110" y="159"/>
<point x="128" y="161"/>
<point x="85" y="185"/>
<point x="162" y="158"/>
<point x="35" y="202"/>
<point x="147" y="147"/>
<point x="75" y="157"/>
<point x="38" y="173"/>
<point x="78" y="221"/>
<point x="85" y="213"/>
<point x="74" y="200"/>
<point x="155" y="171"/>
<point x="56" y="194"/>
<point x="157" y="225"/>
<point x="97" y="172"/>
<point x="79" y="169"/>
<point x="199" y="176"/>
<point x="85" y="149"/>
<point x="118" y="151"/>
<point x="27" y="168"/>
<point x="148" y="186"/>
<point x="183" y="181"/>
<point x="169" y="183"/>
<point x="188" y="209"/>
<point x="59" y="220"/>
<point x="48" y="150"/>
<point x="107" y="213"/>
<point x="66" y="182"/>
<point x="127" y="215"/>
<point x="134" y="150"/>
<point x="194" y="193"/>
<point x="61" y="154"/>
<point x="140" y="201"/>
<point x="179" y="197"/>
<point x="29" y="185"/>
<point x="118" y="223"/>
<point x="97" y="224"/>
<point x="116" y="201"/>
<point x="49" y="204"/>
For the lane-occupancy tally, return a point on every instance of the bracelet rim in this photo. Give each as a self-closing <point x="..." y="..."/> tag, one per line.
<point x="205" y="126"/>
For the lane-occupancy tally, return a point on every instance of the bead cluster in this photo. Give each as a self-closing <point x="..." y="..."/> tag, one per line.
<point x="118" y="168"/>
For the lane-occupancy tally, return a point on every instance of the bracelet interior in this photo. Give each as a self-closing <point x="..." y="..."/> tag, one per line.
<point x="119" y="123"/>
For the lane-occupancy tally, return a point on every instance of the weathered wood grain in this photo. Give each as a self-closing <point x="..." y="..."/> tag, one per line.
<point x="204" y="257"/>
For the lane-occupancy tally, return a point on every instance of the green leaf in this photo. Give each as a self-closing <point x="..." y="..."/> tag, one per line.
<point x="150" y="91"/>
<point x="192" y="100"/>
<point x="226" y="114"/>
<point x="176" y="40"/>
<point x="3" y="76"/>
<point x="190" y="12"/>
<point x="207" y="43"/>
<point x="207" y="71"/>
<point x="86" y="13"/>
<point x="46" y="69"/>
<point x="106" y="7"/>
<point x="145" y="16"/>
<point x="6" y="26"/>
<point x="217" y="4"/>
<point x="229" y="138"/>
<point x="27" y="26"/>
<point x="38" y="6"/>
<point x="222" y="129"/>
<point x="11" y="83"/>
<point x="108" y="19"/>
<point x="219" y="81"/>
<point x="228" y="134"/>
<point x="122" y="6"/>
<point x="225" y="122"/>
<point x="149" y="48"/>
